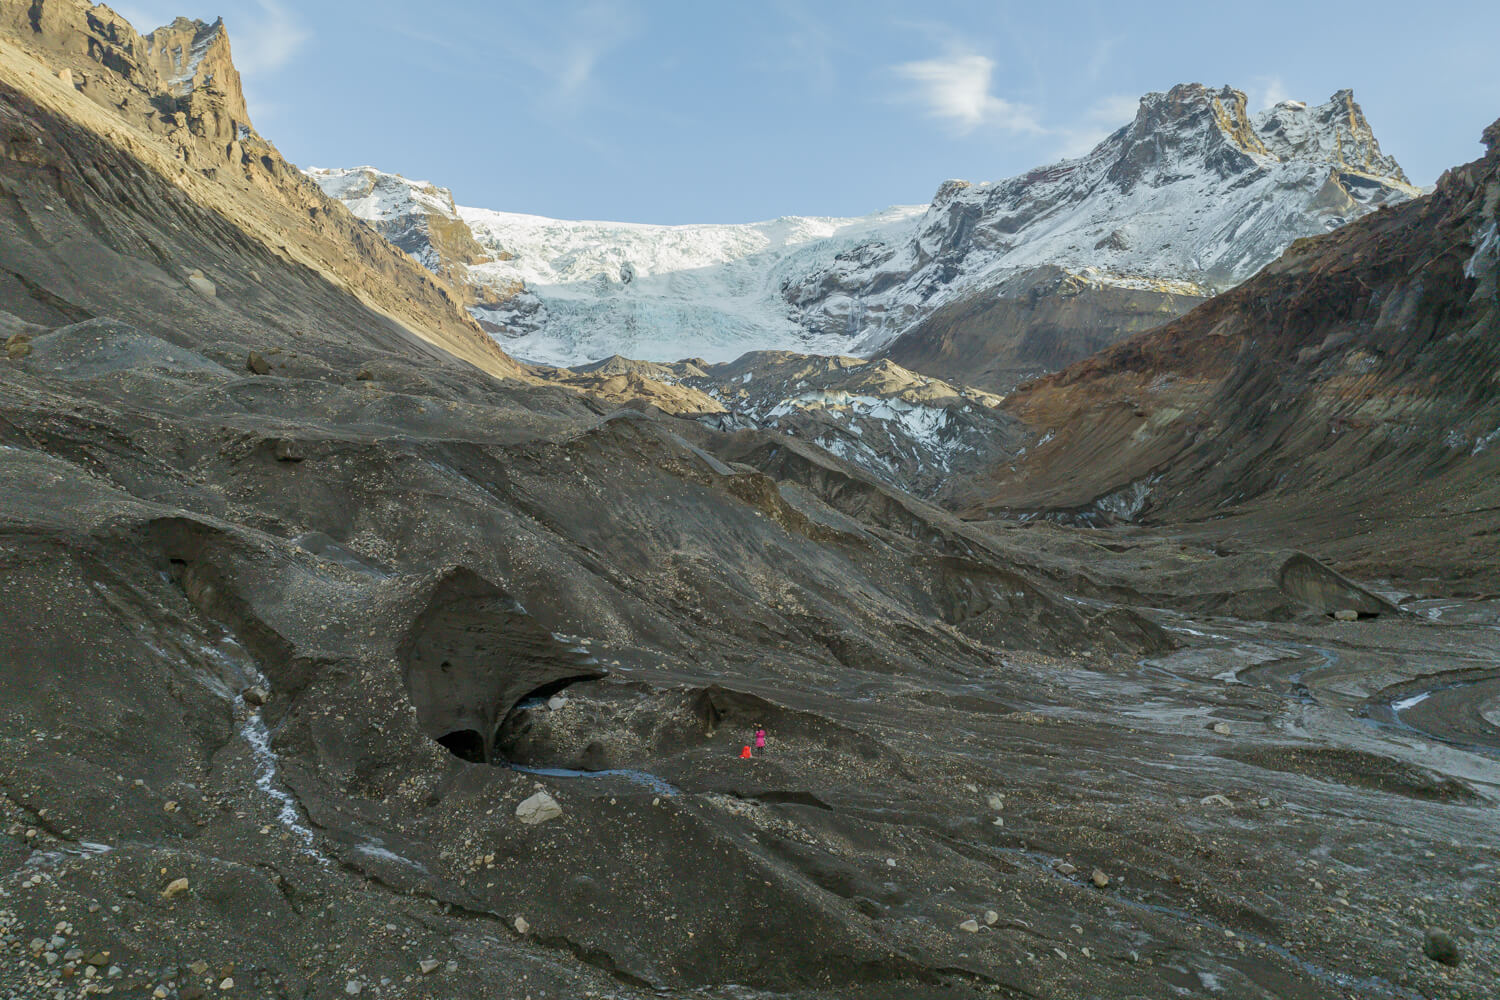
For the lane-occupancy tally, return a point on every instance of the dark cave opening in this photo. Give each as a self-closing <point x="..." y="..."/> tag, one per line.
<point x="466" y="744"/>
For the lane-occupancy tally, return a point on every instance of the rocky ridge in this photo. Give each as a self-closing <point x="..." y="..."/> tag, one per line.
<point x="91" y="103"/>
<point x="422" y="220"/>
<point x="1008" y="280"/>
<point x="1355" y="374"/>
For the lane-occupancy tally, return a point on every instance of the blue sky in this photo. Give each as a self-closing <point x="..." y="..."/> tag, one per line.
<point x="722" y="111"/>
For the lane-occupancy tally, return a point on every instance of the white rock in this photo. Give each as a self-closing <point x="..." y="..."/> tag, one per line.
<point x="991" y="917"/>
<point x="556" y="702"/>
<point x="1215" y="800"/>
<point x="353" y="987"/>
<point x="1222" y="728"/>
<point x="429" y="966"/>
<point x="202" y="285"/>
<point x="969" y="927"/>
<point x="522" y="926"/>
<point x="538" y="809"/>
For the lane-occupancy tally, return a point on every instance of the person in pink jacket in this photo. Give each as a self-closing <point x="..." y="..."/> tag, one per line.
<point x="760" y="739"/>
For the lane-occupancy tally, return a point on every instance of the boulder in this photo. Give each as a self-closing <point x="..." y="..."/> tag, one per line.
<point x="1441" y="946"/>
<point x="539" y="808"/>
<point x="199" y="283"/>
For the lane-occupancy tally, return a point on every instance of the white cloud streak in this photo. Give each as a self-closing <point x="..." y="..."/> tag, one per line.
<point x="267" y="41"/>
<point x="956" y="89"/>
<point x="1101" y="119"/>
<point x="598" y="29"/>
<point x="1268" y="91"/>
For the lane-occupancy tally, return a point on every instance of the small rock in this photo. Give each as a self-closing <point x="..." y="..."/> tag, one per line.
<point x="98" y="958"/>
<point x="538" y="809"/>
<point x="991" y="918"/>
<point x="1215" y="800"/>
<point x="227" y="983"/>
<point x="522" y="927"/>
<point x="364" y="375"/>
<point x="174" y="888"/>
<point x="1346" y="615"/>
<point x="1222" y="728"/>
<point x="556" y="702"/>
<point x="450" y="966"/>
<point x="288" y="450"/>
<point x="15" y="349"/>
<point x="114" y="972"/>
<point x="429" y="966"/>
<point x="200" y="284"/>
<point x="996" y="802"/>
<point x="353" y="987"/>
<point x="160" y="993"/>
<point x="1440" y="946"/>
<point x="1063" y="868"/>
<point x="257" y="364"/>
<point x="969" y="927"/>
<point x="1099" y="878"/>
<point x="256" y="696"/>
<point x="198" y="968"/>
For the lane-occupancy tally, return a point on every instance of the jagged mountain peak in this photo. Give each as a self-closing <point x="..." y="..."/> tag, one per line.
<point x="190" y="55"/>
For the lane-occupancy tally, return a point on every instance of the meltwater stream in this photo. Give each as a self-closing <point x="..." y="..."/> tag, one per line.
<point x="649" y="781"/>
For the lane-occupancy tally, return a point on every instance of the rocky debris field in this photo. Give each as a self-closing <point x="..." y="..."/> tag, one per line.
<point x="376" y="677"/>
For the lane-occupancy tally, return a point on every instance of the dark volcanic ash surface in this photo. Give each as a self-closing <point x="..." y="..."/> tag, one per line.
<point x="334" y="666"/>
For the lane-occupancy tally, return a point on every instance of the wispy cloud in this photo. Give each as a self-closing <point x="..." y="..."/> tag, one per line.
<point x="956" y="89"/>
<point x="267" y="39"/>
<point x="571" y="64"/>
<point x="802" y="43"/>
<point x="1267" y="90"/>
<point x="1103" y="117"/>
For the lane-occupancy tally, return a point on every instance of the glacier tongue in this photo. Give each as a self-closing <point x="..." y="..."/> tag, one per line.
<point x="667" y="292"/>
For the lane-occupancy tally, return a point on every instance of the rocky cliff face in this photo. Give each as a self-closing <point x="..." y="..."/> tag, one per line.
<point x="193" y="63"/>
<point x="422" y="220"/>
<point x="108" y="111"/>
<point x="1353" y="380"/>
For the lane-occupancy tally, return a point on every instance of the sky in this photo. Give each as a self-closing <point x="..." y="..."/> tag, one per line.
<point x="680" y="111"/>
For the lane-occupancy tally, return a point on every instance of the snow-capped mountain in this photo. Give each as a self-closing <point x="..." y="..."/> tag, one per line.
<point x="1190" y="198"/>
